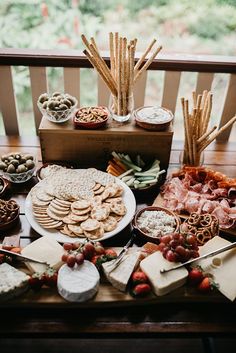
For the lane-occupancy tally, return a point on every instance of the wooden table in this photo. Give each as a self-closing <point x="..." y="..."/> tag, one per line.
<point x="167" y="316"/>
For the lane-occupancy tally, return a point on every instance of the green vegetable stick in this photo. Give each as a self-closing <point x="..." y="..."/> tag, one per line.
<point x="126" y="173"/>
<point x="131" y="165"/>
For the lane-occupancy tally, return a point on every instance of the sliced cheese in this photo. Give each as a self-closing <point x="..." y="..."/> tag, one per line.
<point x="12" y="282"/>
<point x="44" y="249"/>
<point x="163" y="283"/>
<point x="79" y="283"/>
<point x="120" y="275"/>
<point x="221" y="266"/>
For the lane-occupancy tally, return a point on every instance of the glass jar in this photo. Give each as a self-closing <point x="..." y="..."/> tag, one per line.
<point x="183" y="160"/>
<point x="121" y="112"/>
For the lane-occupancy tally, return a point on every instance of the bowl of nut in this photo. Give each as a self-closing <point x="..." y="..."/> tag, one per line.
<point x="17" y="167"/>
<point x="9" y="214"/>
<point x="58" y="107"/>
<point x="91" y="117"/>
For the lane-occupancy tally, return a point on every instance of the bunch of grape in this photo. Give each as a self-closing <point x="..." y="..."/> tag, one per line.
<point x="76" y="252"/>
<point x="177" y="247"/>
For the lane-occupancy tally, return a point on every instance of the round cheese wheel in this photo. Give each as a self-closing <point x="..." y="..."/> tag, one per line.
<point x="79" y="283"/>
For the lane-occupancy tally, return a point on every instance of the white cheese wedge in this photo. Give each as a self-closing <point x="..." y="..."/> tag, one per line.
<point x="120" y="276"/>
<point x="163" y="283"/>
<point x="221" y="266"/>
<point x="79" y="283"/>
<point x="44" y="249"/>
<point x="12" y="282"/>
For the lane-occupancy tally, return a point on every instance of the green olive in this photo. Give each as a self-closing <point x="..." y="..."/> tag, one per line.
<point x="45" y="105"/>
<point x="55" y="94"/>
<point x="15" y="162"/>
<point x="29" y="156"/>
<point x="21" y="169"/>
<point x="4" y="157"/>
<point x="3" y="166"/>
<point x="11" y="169"/>
<point x="29" y="164"/>
<point x="43" y="97"/>
<point x="66" y="102"/>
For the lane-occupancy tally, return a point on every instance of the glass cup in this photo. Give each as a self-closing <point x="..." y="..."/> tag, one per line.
<point x="117" y="111"/>
<point x="184" y="161"/>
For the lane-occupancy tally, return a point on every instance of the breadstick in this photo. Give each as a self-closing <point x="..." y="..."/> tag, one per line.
<point x="123" y="83"/>
<point x="116" y="55"/>
<point x="141" y="60"/>
<point x="206" y="135"/>
<point x="96" y="65"/>
<point x="112" y="54"/>
<point x="148" y="62"/>
<point x="119" y="77"/>
<point x="92" y="40"/>
<point x="217" y="133"/>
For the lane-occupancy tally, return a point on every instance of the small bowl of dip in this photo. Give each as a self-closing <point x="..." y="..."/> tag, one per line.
<point x="153" y="222"/>
<point x="153" y="118"/>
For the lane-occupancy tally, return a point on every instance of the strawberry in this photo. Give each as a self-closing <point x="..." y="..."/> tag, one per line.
<point x="36" y="282"/>
<point x="139" y="277"/>
<point x="110" y="253"/>
<point x="195" y="276"/>
<point x="50" y="277"/>
<point x="141" y="290"/>
<point x="206" y="285"/>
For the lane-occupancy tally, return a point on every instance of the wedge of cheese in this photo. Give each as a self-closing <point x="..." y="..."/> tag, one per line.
<point x="120" y="275"/>
<point x="12" y="282"/>
<point x="45" y="249"/>
<point x="163" y="283"/>
<point x="221" y="266"/>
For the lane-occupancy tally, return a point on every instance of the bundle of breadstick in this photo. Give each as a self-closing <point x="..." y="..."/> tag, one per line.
<point x="122" y="74"/>
<point x="198" y="135"/>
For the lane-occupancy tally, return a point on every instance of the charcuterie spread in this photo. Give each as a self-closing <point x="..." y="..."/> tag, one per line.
<point x="74" y="211"/>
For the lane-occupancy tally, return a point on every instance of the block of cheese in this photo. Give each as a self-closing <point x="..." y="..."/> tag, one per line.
<point x="79" y="283"/>
<point x="120" y="276"/>
<point x="12" y="282"/>
<point x="221" y="266"/>
<point x="163" y="283"/>
<point x="44" y="249"/>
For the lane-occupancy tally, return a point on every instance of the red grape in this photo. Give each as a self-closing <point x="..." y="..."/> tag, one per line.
<point x="180" y="250"/>
<point x="170" y="256"/>
<point x="68" y="246"/>
<point x="190" y="239"/>
<point x="174" y="243"/>
<point x="88" y="250"/>
<point x="99" y="249"/>
<point x="165" y="239"/>
<point x="79" y="259"/>
<point x="176" y="236"/>
<point x="71" y="260"/>
<point x="76" y="245"/>
<point x="64" y="257"/>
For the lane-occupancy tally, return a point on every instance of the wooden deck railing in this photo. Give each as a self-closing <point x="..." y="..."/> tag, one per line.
<point x="71" y="61"/>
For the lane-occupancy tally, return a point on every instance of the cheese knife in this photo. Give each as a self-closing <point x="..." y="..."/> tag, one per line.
<point x="209" y="254"/>
<point x="21" y="257"/>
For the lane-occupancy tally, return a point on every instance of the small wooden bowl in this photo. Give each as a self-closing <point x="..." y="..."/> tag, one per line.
<point x="6" y="184"/>
<point x="8" y="225"/>
<point x="92" y="124"/>
<point x="146" y="236"/>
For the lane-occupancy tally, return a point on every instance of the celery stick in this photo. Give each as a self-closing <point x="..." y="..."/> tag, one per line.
<point x="126" y="178"/>
<point x="127" y="157"/>
<point x="130" y="182"/>
<point x="115" y="155"/>
<point x="142" y="163"/>
<point x="161" y="172"/>
<point x="145" y="174"/>
<point x="126" y="173"/>
<point x="154" y="181"/>
<point x="137" y="159"/>
<point x="146" y="178"/>
<point x="142" y="186"/>
<point x="131" y="165"/>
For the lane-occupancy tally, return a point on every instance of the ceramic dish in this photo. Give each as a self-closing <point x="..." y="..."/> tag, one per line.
<point x="144" y="234"/>
<point x="153" y="118"/>
<point x="4" y="186"/>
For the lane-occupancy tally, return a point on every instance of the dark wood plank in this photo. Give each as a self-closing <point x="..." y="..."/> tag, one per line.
<point x="74" y="58"/>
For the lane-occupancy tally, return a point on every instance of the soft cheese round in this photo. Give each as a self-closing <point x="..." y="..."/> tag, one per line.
<point x="79" y="283"/>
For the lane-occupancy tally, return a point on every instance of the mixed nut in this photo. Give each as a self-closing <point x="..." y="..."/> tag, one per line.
<point x="57" y="101"/>
<point x="91" y="115"/>
<point x="8" y="211"/>
<point x="16" y="162"/>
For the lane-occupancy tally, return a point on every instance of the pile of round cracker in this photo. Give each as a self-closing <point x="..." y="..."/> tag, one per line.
<point x="79" y="203"/>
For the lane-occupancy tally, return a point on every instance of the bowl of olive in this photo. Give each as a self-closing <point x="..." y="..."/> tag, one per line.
<point x="17" y="167"/>
<point x="58" y="107"/>
<point x="9" y="214"/>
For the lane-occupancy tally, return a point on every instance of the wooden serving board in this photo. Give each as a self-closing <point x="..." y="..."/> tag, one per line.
<point x="159" y="202"/>
<point x="108" y="296"/>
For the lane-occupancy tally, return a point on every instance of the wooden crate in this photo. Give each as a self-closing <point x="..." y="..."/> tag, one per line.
<point x="61" y="142"/>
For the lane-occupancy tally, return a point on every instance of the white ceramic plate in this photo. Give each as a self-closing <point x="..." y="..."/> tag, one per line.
<point x="128" y="198"/>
